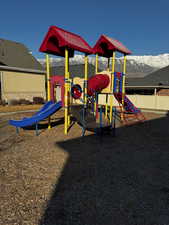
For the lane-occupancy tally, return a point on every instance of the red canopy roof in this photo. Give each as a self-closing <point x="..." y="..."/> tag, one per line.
<point x="57" y="39"/>
<point x="105" y="46"/>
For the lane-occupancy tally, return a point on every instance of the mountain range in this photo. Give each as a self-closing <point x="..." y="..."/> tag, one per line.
<point x="137" y="66"/>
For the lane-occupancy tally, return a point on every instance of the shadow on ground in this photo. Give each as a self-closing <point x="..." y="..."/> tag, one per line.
<point x="42" y="126"/>
<point x="121" y="180"/>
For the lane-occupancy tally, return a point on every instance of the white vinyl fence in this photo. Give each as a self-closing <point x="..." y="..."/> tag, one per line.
<point x="153" y="102"/>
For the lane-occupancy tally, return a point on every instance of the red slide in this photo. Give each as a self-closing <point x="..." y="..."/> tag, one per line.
<point x="128" y="105"/>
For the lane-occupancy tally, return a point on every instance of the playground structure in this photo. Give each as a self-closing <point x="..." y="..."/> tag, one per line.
<point x="89" y="113"/>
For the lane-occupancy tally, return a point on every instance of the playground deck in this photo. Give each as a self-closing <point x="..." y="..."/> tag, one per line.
<point x="58" y="179"/>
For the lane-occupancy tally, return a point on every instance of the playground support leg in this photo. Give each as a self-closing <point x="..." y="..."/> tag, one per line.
<point x="114" y="121"/>
<point x="112" y="86"/>
<point x="113" y="70"/>
<point x="48" y="83"/>
<point x="69" y="121"/>
<point x="49" y="123"/>
<point x="68" y="117"/>
<point x="123" y="85"/>
<point x="106" y="110"/>
<point x="17" y="130"/>
<point x="106" y="107"/>
<point x="83" y="131"/>
<point x="36" y="125"/>
<point x="96" y="105"/>
<point x="85" y="80"/>
<point x="66" y="90"/>
<point x="48" y="76"/>
<point x="85" y="92"/>
<point x="100" y="113"/>
<point x="111" y="108"/>
<point x="66" y="121"/>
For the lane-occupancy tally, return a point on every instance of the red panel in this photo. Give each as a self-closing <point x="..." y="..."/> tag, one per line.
<point x="97" y="83"/>
<point x="57" y="80"/>
<point x="57" y="39"/>
<point x="119" y="74"/>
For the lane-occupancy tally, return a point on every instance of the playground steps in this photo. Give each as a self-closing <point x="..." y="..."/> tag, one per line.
<point x="129" y="118"/>
<point x="129" y="113"/>
<point x="132" y="118"/>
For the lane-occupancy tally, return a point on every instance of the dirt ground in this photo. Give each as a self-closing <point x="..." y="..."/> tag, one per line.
<point x="70" y="180"/>
<point x="14" y="108"/>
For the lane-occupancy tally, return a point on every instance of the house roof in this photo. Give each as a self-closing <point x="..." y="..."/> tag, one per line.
<point x="57" y="39"/>
<point x="105" y="46"/>
<point x="157" y="78"/>
<point x="135" y="82"/>
<point x="14" y="54"/>
<point x="18" y="69"/>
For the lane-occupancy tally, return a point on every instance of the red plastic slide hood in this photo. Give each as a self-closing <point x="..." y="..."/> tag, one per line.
<point x="57" y="39"/>
<point x="105" y="46"/>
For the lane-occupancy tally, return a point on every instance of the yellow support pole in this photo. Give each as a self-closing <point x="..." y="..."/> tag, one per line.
<point x="95" y="105"/>
<point x="111" y="107"/>
<point x="106" y="109"/>
<point x="66" y="90"/>
<point x="69" y="102"/>
<point x="85" y="80"/>
<point x="96" y="71"/>
<point x="124" y="77"/>
<point x="108" y="69"/>
<point x="48" y="85"/>
<point x="112" y="85"/>
<point x="113" y="70"/>
<point x="106" y="106"/>
<point x="96" y="63"/>
<point x="48" y="76"/>
<point x="123" y="85"/>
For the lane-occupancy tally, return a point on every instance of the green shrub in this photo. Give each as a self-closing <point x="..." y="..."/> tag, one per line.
<point x="38" y="100"/>
<point x="2" y="102"/>
<point x="13" y="102"/>
<point x="23" y="101"/>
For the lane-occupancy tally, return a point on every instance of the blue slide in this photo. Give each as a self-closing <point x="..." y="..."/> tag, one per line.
<point x="45" y="106"/>
<point x="47" y="110"/>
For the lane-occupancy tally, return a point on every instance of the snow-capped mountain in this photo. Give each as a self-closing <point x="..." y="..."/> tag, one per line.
<point x="136" y="65"/>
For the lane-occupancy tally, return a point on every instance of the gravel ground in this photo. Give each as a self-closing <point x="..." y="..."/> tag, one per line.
<point x="68" y="180"/>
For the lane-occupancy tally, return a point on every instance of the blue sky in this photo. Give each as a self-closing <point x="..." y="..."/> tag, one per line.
<point x="143" y="26"/>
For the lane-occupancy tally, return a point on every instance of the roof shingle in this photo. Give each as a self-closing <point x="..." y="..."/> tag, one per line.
<point x="14" y="54"/>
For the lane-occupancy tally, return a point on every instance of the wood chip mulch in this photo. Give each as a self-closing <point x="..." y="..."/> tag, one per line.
<point x="69" y="180"/>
